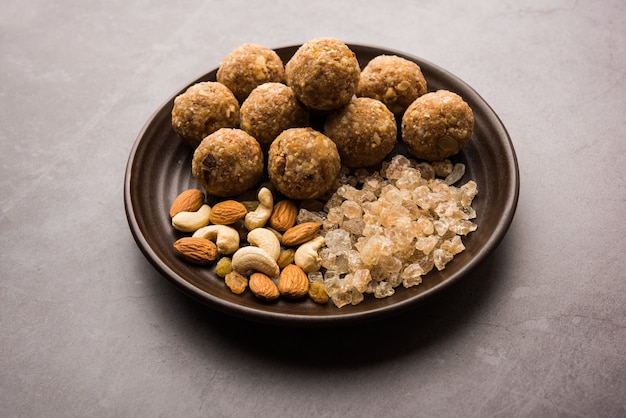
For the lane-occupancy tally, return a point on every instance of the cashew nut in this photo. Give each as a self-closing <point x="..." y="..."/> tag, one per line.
<point x="258" y="217"/>
<point x="265" y="239"/>
<point x="225" y="237"/>
<point x="192" y="221"/>
<point x="306" y="256"/>
<point x="255" y="259"/>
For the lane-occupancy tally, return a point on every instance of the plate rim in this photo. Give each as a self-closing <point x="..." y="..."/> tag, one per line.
<point x="342" y="318"/>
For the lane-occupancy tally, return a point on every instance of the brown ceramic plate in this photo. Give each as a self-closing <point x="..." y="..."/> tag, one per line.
<point x="159" y="168"/>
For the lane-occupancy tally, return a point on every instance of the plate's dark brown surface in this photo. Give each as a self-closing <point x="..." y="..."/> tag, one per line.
<point x="159" y="168"/>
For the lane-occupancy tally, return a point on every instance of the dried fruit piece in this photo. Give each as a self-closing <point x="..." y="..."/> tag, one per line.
<point x="188" y="201"/>
<point x="317" y="293"/>
<point x="197" y="250"/>
<point x="236" y="282"/>
<point x="300" y="233"/>
<point x="227" y="212"/>
<point x="284" y="215"/>
<point x="223" y="267"/>
<point x="263" y="287"/>
<point x="285" y="257"/>
<point x="293" y="282"/>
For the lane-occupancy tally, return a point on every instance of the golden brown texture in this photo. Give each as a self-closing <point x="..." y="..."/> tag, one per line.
<point x="303" y="163"/>
<point x="236" y="282"/>
<point x="203" y="109"/>
<point x="317" y="293"/>
<point x="364" y="130"/>
<point x="393" y="80"/>
<point x="248" y="66"/>
<point x="437" y="125"/>
<point x="228" y="162"/>
<point x="323" y="73"/>
<point x="270" y="109"/>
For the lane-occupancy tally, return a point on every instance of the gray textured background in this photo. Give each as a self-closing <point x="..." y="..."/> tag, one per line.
<point x="89" y="328"/>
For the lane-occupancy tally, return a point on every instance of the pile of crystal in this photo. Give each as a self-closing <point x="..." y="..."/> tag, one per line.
<point x="391" y="227"/>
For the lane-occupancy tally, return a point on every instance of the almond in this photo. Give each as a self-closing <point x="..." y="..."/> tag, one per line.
<point x="293" y="282"/>
<point x="188" y="201"/>
<point x="284" y="215"/>
<point x="300" y="233"/>
<point x="263" y="287"/>
<point x="227" y="212"/>
<point x="197" y="250"/>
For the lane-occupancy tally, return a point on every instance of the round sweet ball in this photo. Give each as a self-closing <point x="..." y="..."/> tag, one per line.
<point x="270" y="109"/>
<point x="323" y="73"/>
<point x="303" y="163"/>
<point x="248" y="66"/>
<point x="364" y="130"/>
<point x="228" y="162"/>
<point x="437" y="125"/>
<point x="203" y="109"/>
<point x="393" y="80"/>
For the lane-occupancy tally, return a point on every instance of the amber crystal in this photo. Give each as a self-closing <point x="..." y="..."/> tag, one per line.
<point x="391" y="227"/>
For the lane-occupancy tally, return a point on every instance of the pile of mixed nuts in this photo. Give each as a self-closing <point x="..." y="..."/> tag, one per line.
<point x="260" y="239"/>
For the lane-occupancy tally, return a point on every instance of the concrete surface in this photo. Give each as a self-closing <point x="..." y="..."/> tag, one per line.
<point x="89" y="328"/>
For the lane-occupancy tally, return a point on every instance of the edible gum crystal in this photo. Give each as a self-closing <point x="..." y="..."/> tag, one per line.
<point x="391" y="227"/>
